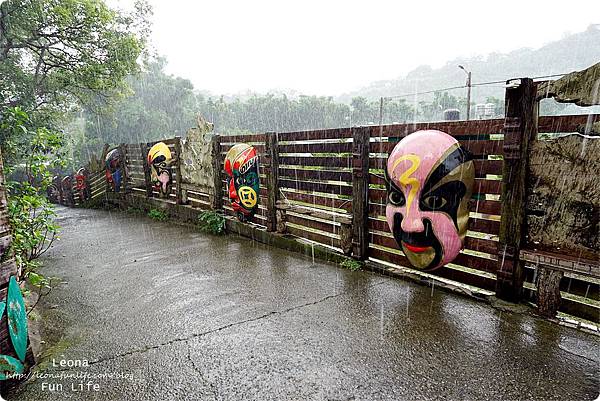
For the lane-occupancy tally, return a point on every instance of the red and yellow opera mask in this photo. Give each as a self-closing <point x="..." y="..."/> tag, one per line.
<point x="160" y="161"/>
<point x="241" y="166"/>
<point x="81" y="184"/>
<point x="429" y="179"/>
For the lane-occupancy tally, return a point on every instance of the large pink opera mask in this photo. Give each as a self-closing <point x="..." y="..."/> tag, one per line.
<point x="429" y="179"/>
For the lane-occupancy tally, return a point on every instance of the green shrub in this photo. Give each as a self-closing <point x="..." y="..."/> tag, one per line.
<point x="351" y="264"/>
<point x="32" y="154"/>
<point x="211" y="222"/>
<point x="157" y="215"/>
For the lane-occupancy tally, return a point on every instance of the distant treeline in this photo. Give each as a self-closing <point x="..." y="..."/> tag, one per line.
<point x="161" y="106"/>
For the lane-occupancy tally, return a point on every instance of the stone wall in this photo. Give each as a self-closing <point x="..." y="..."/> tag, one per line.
<point x="563" y="201"/>
<point x="196" y="161"/>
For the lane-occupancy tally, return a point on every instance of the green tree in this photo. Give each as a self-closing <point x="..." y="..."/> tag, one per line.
<point x="158" y="106"/>
<point x="362" y="111"/>
<point x="54" y="53"/>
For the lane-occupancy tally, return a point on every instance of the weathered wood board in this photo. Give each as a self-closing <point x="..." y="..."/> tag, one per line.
<point x="563" y="199"/>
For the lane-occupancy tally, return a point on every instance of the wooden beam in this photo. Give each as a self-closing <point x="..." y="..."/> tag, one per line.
<point x="125" y="178"/>
<point x="520" y="127"/>
<point x="144" y="148"/>
<point x="548" y="291"/>
<point x="179" y="187"/>
<point x="281" y="205"/>
<point x="216" y="196"/>
<point x="272" y="173"/>
<point x="360" y="192"/>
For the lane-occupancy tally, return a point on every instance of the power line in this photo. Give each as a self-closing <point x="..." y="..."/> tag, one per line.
<point x="464" y="86"/>
<point x="423" y="93"/>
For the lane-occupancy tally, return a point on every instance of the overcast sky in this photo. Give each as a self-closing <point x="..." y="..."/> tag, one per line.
<point x="328" y="47"/>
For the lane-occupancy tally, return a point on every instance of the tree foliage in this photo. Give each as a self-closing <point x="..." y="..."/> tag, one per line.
<point x="280" y="113"/>
<point x="57" y="52"/>
<point x="158" y="106"/>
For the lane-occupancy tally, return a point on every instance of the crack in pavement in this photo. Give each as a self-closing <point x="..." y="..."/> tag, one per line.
<point x="227" y="326"/>
<point x="211" y="385"/>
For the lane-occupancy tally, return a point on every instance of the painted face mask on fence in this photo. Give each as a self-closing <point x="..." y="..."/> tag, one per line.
<point x="114" y="172"/>
<point x="241" y="165"/>
<point x="429" y="179"/>
<point x="160" y="161"/>
<point x="81" y="184"/>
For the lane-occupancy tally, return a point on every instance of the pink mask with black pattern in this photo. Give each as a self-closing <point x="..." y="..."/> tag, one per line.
<point x="429" y="179"/>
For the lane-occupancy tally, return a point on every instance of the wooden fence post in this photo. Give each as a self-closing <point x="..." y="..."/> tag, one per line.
<point x="179" y="188"/>
<point x="520" y="127"/>
<point x="74" y="190"/>
<point x="88" y="182"/>
<point x="548" y="291"/>
<point x="144" y="148"/>
<point x="272" y="173"/>
<point x="104" y="154"/>
<point x="215" y="154"/>
<point x="70" y="202"/>
<point x="360" y="192"/>
<point x="125" y="177"/>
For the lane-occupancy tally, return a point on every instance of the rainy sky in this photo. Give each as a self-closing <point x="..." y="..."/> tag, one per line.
<point x="328" y="47"/>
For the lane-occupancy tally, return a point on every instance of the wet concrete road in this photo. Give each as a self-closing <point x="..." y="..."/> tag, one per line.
<point x="167" y="313"/>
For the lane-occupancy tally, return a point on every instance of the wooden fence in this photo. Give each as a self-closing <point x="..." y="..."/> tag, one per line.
<point x="327" y="187"/>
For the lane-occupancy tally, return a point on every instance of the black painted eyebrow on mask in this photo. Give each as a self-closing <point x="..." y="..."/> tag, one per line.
<point x="454" y="159"/>
<point x="389" y="184"/>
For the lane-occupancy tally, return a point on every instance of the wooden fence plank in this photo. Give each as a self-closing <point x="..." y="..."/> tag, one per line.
<point x="553" y="124"/>
<point x="336" y="133"/>
<point x="316" y="187"/>
<point x="314" y="236"/>
<point x="233" y="139"/>
<point x="318" y="147"/>
<point x="316" y="175"/>
<point x="341" y="162"/>
<point x="330" y="202"/>
<point x="479" y="281"/>
<point x="309" y="221"/>
<point x="454" y="128"/>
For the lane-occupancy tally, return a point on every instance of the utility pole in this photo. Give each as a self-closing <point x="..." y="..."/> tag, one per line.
<point x="468" y="90"/>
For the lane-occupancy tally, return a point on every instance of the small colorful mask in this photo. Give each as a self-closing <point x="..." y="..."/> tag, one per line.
<point x="67" y="189"/>
<point x="429" y="179"/>
<point x="241" y="165"/>
<point x="81" y="184"/>
<point x="53" y="191"/>
<point x="114" y="173"/>
<point x="160" y="161"/>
